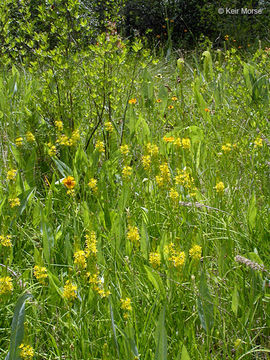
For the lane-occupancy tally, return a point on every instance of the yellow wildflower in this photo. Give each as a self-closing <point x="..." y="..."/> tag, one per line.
<point x="126" y="172"/>
<point x="27" y="352"/>
<point x="75" y="137"/>
<point x="80" y="259"/>
<point x="132" y="101"/>
<point x="174" y="98"/>
<point x="30" y="137"/>
<point x="219" y="187"/>
<point x="51" y="149"/>
<point x="93" y="185"/>
<point x="160" y="180"/>
<point x="59" y="125"/>
<point x="165" y="172"/>
<point x="186" y="143"/>
<point x="146" y="161"/>
<point x="174" y="194"/>
<point x="6" y="286"/>
<point x="64" y="140"/>
<point x="133" y="234"/>
<point x="108" y="126"/>
<point x="178" y="259"/>
<point x="226" y="148"/>
<point x="14" y="202"/>
<point x="69" y="182"/>
<point x="158" y="100"/>
<point x="91" y="244"/>
<point x="100" y="146"/>
<point x="152" y="149"/>
<point x="126" y="304"/>
<point x="168" y="138"/>
<point x="178" y="142"/>
<point x="70" y="291"/>
<point x="195" y="252"/>
<point x="11" y="174"/>
<point x="170" y="107"/>
<point x="226" y="37"/>
<point x="40" y="273"/>
<point x="124" y="149"/>
<point x="5" y="241"/>
<point x="155" y="259"/>
<point x="258" y="142"/>
<point x="19" y="141"/>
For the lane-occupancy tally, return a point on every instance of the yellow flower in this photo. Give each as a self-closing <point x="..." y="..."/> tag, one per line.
<point x="30" y="137"/>
<point x="126" y="172"/>
<point x="258" y="142"/>
<point x="220" y="187"/>
<point x="19" y="141"/>
<point x="155" y="259"/>
<point x="195" y="252"/>
<point x="100" y="146"/>
<point x="70" y="291"/>
<point x="11" y="174"/>
<point x="133" y="234"/>
<point x="165" y="172"/>
<point x="226" y="37"/>
<point x="168" y="138"/>
<point x="91" y="244"/>
<point x="173" y="194"/>
<point x="174" y="98"/>
<point x="5" y="241"/>
<point x="64" y="140"/>
<point x="69" y="182"/>
<point x="14" y="202"/>
<point x="158" y="100"/>
<point x="108" y="126"/>
<point x="27" y="352"/>
<point x="52" y="149"/>
<point x="146" y="161"/>
<point x="124" y="149"/>
<point x="93" y="185"/>
<point x="170" y="107"/>
<point x="80" y="259"/>
<point x="178" y="259"/>
<point x="152" y="149"/>
<point x="160" y="180"/>
<point x="40" y="273"/>
<point x="75" y="137"/>
<point x="226" y="148"/>
<point x="186" y="143"/>
<point x="126" y="304"/>
<point x="132" y="101"/>
<point x="59" y="125"/>
<point x="6" y="286"/>
<point x="237" y="343"/>
<point x="178" y="142"/>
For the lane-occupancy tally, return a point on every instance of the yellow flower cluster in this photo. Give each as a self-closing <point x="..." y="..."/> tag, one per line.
<point x="98" y="285"/>
<point x="176" y="258"/>
<point x="66" y="141"/>
<point x="11" y="174"/>
<point x="27" y="352"/>
<point x="5" y="241"/>
<point x="108" y="126"/>
<point x="126" y="172"/>
<point x="93" y="185"/>
<point x="51" y="149"/>
<point x="70" y="291"/>
<point x="126" y="304"/>
<point x="220" y="187"/>
<point x="80" y="259"/>
<point x="195" y="252"/>
<point x="168" y="139"/>
<point x="132" y="101"/>
<point x="186" y="143"/>
<point x="152" y="149"/>
<point x="40" y="273"/>
<point x="133" y="234"/>
<point x="59" y="125"/>
<point x="174" y="194"/>
<point x="91" y="244"/>
<point x="19" y="141"/>
<point x="124" y="149"/>
<point x="226" y="148"/>
<point x="13" y="202"/>
<point x="100" y="146"/>
<point x="6" y="286"/>
<point x="30" y="137"/>
<point x="146" y="161"/>
<point x="183" y="178"/>
<point x="164" y="176"/>
<point x="258" y="142"/>
<point x="155" y="259"/>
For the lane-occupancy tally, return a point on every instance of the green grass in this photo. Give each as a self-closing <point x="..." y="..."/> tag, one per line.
<point x="209" y="307"/>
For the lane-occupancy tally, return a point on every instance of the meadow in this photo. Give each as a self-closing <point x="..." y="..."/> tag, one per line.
<point x="134" y="204"/>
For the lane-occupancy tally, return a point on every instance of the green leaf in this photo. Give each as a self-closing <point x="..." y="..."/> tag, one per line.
<point x="155" y="280"/>
<point x="114" y="331"/>
<point x="235" y="300"/>
<point x="47" y="236"/>
<point x="252" y="212"/>
<point x="205" y="306"/>
<point x="17" y="327"/>
<point x="62" y="167"/>
<point x="184" y="355"/>
<point x="161" y="337"/>
<point x="144" y="240"/>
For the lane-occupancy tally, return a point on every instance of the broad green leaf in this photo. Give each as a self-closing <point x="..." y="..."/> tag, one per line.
<point x="155" y="280"/>
<point x="114" y="331"/>
<point x="17" y="327"/>
<point x="235" y="300"/>
<point x="47" y="237"/>
<point x="62" y="167"/>
<point x="144" y="240"/>
<point x="184" y="355"/>
<point x="161" y="337"/>
<point x="252" y="212"/>
<point x="205" y="305"/>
